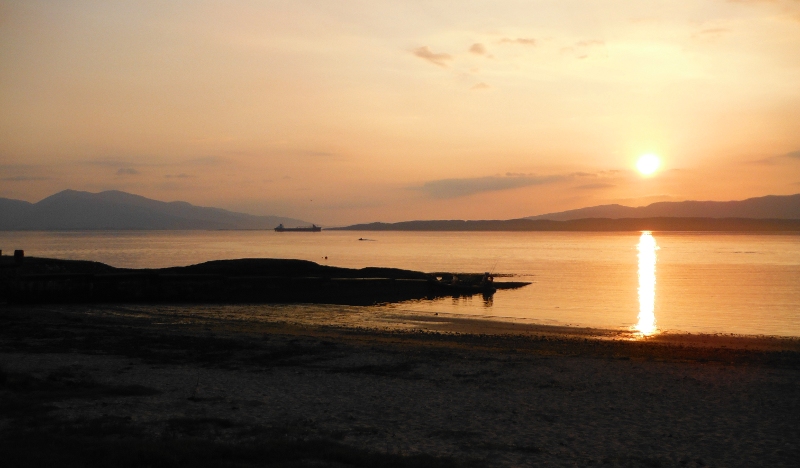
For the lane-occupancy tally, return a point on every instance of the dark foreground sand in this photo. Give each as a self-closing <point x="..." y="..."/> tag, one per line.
<point x="203" y="386"/>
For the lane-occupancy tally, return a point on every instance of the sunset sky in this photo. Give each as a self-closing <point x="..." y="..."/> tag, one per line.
<point x="358" y="111"/>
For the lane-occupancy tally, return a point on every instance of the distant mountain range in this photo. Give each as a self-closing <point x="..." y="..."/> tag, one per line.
<point x="591" y="224"/>
<point x="763" y="214"/>
<point x="113" y="210"/>
<point x="769" y="207"/>
<point x="74" y="210"/>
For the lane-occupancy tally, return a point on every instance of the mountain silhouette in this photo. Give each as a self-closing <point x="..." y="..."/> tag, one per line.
<point x="763" y="214"/>
<point x="769" y="207"/>
<point x="75" y="210"/>
<point x="592" y="225"/>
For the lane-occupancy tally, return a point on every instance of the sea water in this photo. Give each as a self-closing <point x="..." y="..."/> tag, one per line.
<point x="684" y="282"/>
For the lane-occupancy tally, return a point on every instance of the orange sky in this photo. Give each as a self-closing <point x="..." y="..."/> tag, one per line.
<point x="357" y="111"/>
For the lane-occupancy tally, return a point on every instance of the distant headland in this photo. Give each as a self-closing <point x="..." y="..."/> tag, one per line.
<point x="592" y="225"/>
<point x="768" y="207"/>
<point x="763" y="214"/>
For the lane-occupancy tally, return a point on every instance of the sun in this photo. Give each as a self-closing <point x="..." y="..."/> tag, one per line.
<point x="648" y="164"/>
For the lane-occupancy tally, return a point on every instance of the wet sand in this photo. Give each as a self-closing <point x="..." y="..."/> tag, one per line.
<point x="317" y="386"/>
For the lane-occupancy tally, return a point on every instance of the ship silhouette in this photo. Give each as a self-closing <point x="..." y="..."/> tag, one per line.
<point x="312" y="228"/>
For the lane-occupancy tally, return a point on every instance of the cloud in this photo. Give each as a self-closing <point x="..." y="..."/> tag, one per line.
<point x="478" y="48"/>
<point x="710" y="34"/>
<point x="108" y="162"/>
<point x="437" y="59"/>
<point x="206" y="161"/>
<point x="307" y="154"/>
<point x="765" y="162"/>
<point x="454" y="188"/>
<point x="318" y="154"/>
<point x="597" y="186"/>
<point x="480" y="86"/>
<point x="613" y="171"/>
<point x="519" y="40"/>
<point x="780" y="158"/>
<point x="23" y="178"/>
<point x="179" y="176"/>
<point x="788" y="8"/>
<point x="582" y="49"/>
<point x="713" y="31"/>
<point x="127" y="171"/>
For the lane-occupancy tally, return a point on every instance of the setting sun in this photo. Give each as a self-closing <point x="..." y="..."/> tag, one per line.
<point x="648" y="164"/>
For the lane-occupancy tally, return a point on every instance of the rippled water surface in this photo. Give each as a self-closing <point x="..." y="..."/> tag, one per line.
<point x="729" y="283"/>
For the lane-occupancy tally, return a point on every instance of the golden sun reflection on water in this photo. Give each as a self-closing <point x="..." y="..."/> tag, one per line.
<point x="647" y="284"/>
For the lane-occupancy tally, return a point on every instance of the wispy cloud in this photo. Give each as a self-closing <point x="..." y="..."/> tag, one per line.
<point x="127" y="171"/>
<point x="111" y="162"/>
<point x="780" y="158"/>
<point x="480" y="86"/>
<point x="788" y="8"/>
<point x="710" y="34"/>
<point x="206" y="161"/>
<point x="519" y="40"/>
<point x="125" y="161"/>
<point x="23" y="178"/>
<point x="596" y="186"/>
<point x="318" y="154"/>
<point x="308" y="154"/>
<point x="16" y="167"/>
<point x="439" y="59"/>
<point x="582" y="49"/>
<point x="178" y="176"/>
<point x="453" y="188"/>
<point x="478" y="49"/>
<point x="713" y="31"/>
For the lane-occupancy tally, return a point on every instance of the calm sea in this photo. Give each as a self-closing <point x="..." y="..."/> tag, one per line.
<point x="726" y="283"/>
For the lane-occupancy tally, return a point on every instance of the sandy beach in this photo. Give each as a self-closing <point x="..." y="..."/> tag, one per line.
<point x="220" y="386"/>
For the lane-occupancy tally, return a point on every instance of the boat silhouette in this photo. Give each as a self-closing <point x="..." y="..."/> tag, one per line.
<point x="312" y="228"/>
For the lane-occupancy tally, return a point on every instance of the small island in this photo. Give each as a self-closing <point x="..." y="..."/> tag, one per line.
<point x="249" y="280"/>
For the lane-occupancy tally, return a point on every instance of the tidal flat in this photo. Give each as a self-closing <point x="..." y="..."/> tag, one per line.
<point x="218" y="386"/>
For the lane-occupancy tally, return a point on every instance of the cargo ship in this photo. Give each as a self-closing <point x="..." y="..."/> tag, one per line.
<point x="313" y="228"/>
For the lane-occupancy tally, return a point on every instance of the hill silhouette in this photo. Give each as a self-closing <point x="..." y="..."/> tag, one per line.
<point x="772" y="213"/>
<point x="768" y="207"/>
<point x="591" y="224"/>
<point x="111" y="210"/>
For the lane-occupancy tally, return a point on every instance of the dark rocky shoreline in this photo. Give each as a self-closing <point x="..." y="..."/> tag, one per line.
<point x="42" y="280"/>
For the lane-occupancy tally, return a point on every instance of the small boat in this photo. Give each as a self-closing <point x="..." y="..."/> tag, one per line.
<point x="312" y="228"/>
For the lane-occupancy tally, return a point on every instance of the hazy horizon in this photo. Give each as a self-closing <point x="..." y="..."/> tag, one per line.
<point x="391" y="111"/>
<point x="565" y="215"/>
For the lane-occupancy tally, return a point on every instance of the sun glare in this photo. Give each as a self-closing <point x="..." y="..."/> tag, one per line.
<point x="648" y="164"/>
<point x="647" y="284"/>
